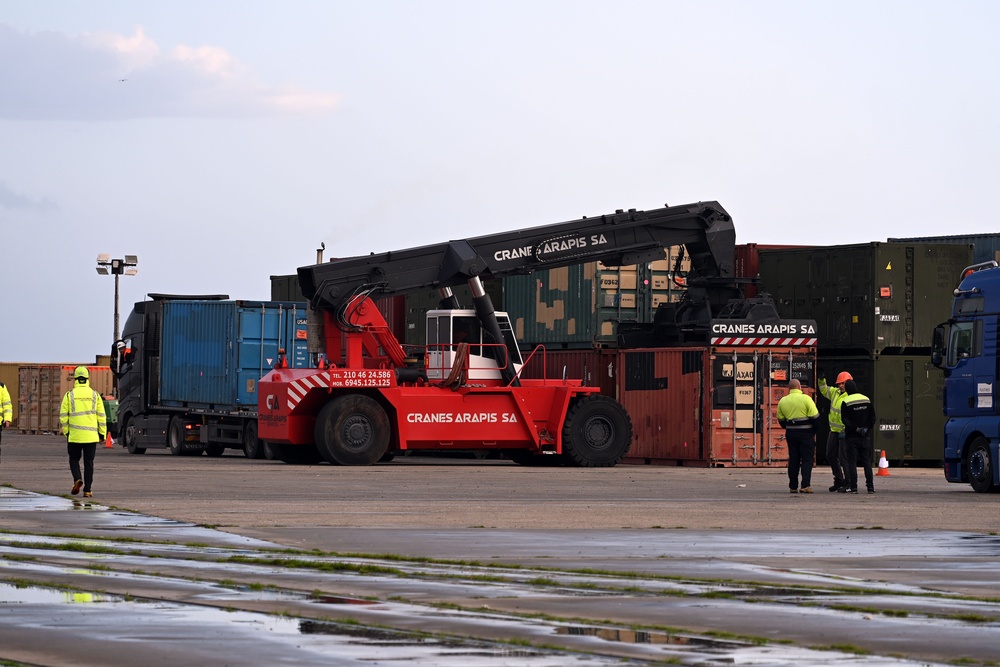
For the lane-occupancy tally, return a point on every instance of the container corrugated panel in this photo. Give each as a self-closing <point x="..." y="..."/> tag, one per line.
<point x="39" y="397"/>
<point x="907" y="392"/>
<point x="867" y="298"/>
<point x="986" y="247"/>
<point x="214" y="352"/>
<point x="663" y="391"/>
<point x="101" y="379"/>
<point x="710" y="406"/>
<point x="11" y="378"/>
<point x="746" y="385"/>
<point x="596" y="368"/>
<point x="41" y="390"/>
<point x="286" y="288"/>
<point x="747" y="264"/>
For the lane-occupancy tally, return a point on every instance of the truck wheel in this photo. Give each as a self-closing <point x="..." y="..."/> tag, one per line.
<point x="271" y="451"/>
<point x="252" y="448"/>
<point x="129" y="436"/>
<point x="175" y="437"/>
<point x="352" y="430"/>
<point x="597" y="433"/>
<point x="980" y="465"/>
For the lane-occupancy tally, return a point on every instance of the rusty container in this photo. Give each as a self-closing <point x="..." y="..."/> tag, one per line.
<point x="710" y="406"/>
<point x="41" y="389"/>
<point x="596" y="368"/>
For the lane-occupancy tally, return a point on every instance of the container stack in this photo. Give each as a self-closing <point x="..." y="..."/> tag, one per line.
<point x="580" y="306"/>
<point x="876" y="305"/>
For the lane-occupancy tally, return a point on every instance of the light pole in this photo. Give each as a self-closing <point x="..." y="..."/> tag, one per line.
<point x="116" y="267"/>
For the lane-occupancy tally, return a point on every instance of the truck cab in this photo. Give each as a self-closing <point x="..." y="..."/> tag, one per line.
<point x="965" y="348"/>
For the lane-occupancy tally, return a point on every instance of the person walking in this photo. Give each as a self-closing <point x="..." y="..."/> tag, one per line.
<point x="797" y="414"/>
<point x="6" y="410"/>
<point x="85" y="425"/>
<point x="859" y="419"/>
<point x="835" y="444"/>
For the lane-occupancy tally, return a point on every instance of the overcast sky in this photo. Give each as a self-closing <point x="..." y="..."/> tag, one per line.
<point x="221" y="141"/>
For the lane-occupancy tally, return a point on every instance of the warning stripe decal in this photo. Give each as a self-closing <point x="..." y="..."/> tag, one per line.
<point x="298" y="389"/>
<point x="765" y="342"/>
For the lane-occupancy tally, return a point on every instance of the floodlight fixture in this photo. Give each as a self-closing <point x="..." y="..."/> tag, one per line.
<point x="116" y="267"/>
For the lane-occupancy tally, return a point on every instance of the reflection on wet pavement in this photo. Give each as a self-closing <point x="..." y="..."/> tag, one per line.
<point x="303" y="607"/>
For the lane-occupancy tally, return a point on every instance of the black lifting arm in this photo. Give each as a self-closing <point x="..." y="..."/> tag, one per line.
<point x="619" y="239"/>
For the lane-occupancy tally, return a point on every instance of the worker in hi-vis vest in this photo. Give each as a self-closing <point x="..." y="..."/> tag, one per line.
<point x="84" y="424"/>
<point x="836" y="451"/>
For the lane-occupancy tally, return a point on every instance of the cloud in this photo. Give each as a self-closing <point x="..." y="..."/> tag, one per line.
<point x="108" y="76"/>
<point x="13" y="200"/>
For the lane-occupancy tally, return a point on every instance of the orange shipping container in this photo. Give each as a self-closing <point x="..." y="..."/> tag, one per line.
<point x="40" y="392"/>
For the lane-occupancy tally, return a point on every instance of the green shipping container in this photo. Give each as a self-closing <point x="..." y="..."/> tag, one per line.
<point x="907" y="392"/>
<point x="581" y="306"/>
<point x="870" y="298"/>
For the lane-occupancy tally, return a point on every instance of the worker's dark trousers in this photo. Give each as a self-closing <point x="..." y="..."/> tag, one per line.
<point x="859" y="450"/>
<point x="801" y="454"/>
<point x="89" y="450"/>
<point x="835" y="457"/>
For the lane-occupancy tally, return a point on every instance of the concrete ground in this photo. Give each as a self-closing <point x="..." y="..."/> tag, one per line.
<point x="916" y="539"/>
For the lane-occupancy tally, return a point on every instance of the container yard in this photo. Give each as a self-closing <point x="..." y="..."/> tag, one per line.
<point x="874" y="304"/>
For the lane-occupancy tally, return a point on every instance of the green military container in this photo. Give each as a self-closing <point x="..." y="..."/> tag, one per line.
<point x="906" y="391"/>
<point x="581" y="306"/>
<point x="286" y="288"/>
<point x="870" y="298"/>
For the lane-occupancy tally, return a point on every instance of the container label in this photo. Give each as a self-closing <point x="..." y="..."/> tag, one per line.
<point x="984" y="388"/>
<point x="781" y="333"/>
<point x="888" y="318"/>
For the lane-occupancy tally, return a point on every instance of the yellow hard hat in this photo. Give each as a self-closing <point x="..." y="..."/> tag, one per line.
<point x="81" y="372"/>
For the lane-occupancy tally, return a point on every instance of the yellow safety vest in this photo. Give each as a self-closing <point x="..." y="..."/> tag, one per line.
<point x="82" y="415"/>
<point x="797" y="411"/>
<point x="6" y="410"/>
<point x="836" y="397"/>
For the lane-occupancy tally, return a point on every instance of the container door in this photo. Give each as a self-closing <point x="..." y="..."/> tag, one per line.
<point x="662" y="391"/>
<point x="736" y="408"/>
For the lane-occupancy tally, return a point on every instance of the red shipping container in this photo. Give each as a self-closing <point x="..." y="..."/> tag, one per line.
<point x="710" y="406"/>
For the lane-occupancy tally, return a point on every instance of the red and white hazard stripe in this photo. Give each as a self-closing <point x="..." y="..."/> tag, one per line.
<point x="297" y="389"/>
<point x="764" y="342"/>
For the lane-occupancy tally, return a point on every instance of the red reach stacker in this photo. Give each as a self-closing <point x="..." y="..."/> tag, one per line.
<point x="369" y="399"/>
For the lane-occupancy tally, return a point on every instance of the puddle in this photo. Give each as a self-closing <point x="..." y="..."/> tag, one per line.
<point x="192" y="611"/>
<point x="245" y="638"/>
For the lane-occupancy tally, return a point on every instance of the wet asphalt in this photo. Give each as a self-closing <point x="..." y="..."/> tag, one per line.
<point x="89" y="582"/>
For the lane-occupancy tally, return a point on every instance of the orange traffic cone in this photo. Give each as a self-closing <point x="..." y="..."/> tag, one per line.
<point x="109" y="443"/>
<point x="883" y="466"/>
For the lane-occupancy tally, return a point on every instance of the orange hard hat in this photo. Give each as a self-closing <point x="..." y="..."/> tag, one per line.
<point x="844" y="377"/>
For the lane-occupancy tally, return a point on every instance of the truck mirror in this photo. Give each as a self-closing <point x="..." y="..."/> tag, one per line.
<point x="939" y="344"/>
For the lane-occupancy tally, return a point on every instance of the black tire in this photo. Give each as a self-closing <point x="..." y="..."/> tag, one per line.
<point x="980" y="466"/>
<point x="597" y="433"/>
<point x="353" y="430"/>
<point x="215" y="451"/>
<point x="129" y="436"/>
<point x="271" y="451"/>
<point x="175" y="437"/>
<point x="252" y="449"/>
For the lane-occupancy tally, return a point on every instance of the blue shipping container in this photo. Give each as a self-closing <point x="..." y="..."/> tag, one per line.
<point x="214" y="352"/>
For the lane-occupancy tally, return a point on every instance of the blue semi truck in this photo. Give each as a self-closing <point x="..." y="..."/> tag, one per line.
<point x="187" y="370"/>
<point x="966" y="348"/>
